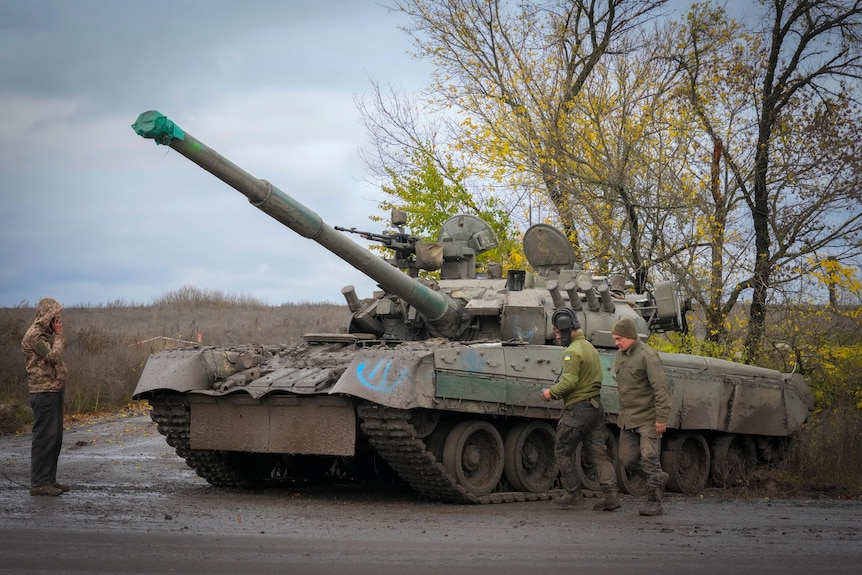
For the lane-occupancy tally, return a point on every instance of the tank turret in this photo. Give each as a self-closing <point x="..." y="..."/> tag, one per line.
<point x="439" y="374"/>
<point x="457" y="307"/>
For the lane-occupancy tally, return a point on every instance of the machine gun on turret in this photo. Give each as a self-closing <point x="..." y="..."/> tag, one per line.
<point x="401" y="243"/>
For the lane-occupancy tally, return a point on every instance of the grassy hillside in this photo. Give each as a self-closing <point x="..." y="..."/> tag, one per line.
<point x="106" y="347"/>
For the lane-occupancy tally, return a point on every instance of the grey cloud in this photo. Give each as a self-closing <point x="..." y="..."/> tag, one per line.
<point x="91" y="213"/>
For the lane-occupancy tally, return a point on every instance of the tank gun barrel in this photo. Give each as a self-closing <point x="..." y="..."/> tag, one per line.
<point x="441" y="312"/>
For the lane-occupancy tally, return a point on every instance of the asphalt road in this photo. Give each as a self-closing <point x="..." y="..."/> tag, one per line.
<point x="136" y="508"/>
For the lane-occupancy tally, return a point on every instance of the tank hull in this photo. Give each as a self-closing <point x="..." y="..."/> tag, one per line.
<point x="354" y="399"/>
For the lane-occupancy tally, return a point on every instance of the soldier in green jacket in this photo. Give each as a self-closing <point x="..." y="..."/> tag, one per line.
<point x="644" y="410"/>
<point x="582" y="419"/>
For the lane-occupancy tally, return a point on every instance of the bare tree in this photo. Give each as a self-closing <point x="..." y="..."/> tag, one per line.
<point x="813" y="47"/>
<point x="795" y="164"/>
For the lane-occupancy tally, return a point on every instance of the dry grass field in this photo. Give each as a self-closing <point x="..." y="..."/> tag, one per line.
<point x="106" y="347"/>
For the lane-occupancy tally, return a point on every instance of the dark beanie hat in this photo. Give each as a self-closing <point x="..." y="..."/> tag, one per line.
<point x="625" y="328"/>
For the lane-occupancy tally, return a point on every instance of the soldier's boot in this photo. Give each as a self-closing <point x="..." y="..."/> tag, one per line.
<point x="45" y="490"/>
<point x="570" y="499"/>
<point x="653" y="504"/>
<point x="610" y="502"/>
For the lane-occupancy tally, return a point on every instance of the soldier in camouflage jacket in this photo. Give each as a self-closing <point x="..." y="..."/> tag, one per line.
<point x="43" y="345"/>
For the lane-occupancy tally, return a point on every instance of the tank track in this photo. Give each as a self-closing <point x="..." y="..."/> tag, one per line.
<point x="388" y="430"/>
<point x="171" y="414"/>
<point x="392" y="435"/>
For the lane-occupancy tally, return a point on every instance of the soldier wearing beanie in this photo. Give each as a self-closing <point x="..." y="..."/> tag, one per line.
<point x="644" y="409"/>
<point x="625" y="328"/>
<point x="582" y="420"/>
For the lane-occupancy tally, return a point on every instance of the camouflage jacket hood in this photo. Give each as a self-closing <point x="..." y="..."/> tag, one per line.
<point x="43" y="351"/>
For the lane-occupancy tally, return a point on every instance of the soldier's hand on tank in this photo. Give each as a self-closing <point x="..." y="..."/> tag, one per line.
<point x="546" y="395"/>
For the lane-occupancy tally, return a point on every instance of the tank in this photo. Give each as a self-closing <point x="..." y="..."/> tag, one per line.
<point x="439" y="380"/>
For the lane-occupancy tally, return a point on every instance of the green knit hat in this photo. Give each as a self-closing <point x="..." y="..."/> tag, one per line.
<point x="625" y="328"/>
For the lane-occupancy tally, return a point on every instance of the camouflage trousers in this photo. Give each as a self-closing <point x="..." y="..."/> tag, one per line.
<point x="583" y="423"/>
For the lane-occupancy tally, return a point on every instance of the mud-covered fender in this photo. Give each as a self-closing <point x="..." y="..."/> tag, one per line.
<point x="178" y="370"/>
<point x="399" y="378"/>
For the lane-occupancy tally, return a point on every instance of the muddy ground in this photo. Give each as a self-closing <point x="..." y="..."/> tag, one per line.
<point x="136" y="507"/>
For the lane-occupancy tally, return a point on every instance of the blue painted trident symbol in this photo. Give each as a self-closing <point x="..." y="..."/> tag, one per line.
<point x="378" y="377"/>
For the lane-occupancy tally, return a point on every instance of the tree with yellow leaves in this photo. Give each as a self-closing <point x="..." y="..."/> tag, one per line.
<point x="691" y="150"/>
<point x="780" y="102"/>
<point x="513" y="75"/>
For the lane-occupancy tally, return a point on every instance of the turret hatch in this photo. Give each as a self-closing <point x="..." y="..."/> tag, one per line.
<point x="547" y="249"/>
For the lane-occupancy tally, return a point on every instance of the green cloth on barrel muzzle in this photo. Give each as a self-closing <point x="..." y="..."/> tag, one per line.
<point x="156" y="126"/>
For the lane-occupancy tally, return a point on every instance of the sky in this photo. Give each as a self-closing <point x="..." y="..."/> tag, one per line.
<point x="92" y="214"/>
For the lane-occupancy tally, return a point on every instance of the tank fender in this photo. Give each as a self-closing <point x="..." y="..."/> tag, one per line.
<point x="394" y="377"/>
<point x="179" y="370"/>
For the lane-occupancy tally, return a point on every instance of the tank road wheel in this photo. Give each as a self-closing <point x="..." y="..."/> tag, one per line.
<point x="685" y="458"/>
<point x="473" y="454"/>
<point x="587" y="470"/>
<point x="530" y="464"/>
<point x="424" y="422"/>
<point x="733" y="459"/>
<point x="437" y="439"/>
